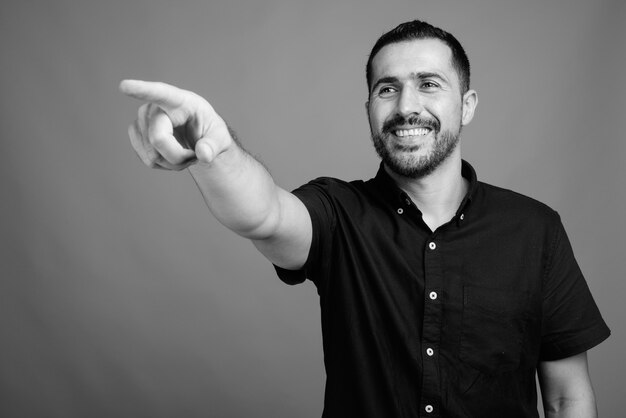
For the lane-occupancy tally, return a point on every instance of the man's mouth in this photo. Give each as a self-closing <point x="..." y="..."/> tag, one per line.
<point x="412" y="132"/>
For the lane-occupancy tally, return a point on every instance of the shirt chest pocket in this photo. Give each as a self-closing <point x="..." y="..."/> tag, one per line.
<point x="493" y="326"/>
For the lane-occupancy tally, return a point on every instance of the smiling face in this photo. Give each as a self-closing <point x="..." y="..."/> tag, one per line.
<point x="416" y="108"/>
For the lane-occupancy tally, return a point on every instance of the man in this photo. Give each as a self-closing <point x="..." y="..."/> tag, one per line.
<point x="440" y="295"/>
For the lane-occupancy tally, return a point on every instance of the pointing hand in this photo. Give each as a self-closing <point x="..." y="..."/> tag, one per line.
<point x="174" y="128"/>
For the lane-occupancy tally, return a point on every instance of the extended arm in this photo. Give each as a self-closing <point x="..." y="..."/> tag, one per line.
<point x="177" y="129"/>
<point x="566" y="388"/>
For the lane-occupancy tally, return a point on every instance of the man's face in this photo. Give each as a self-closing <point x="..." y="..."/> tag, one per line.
<point x="415" y="106"/>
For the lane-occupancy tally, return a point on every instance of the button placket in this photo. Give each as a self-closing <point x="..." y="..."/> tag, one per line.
<point x="433" y="281"/>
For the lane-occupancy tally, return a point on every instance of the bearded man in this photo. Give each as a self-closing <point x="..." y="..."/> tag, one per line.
<point x="440" y="295"/>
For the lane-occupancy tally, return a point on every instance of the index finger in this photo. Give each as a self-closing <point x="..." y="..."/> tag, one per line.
<point x="164" y="95"/>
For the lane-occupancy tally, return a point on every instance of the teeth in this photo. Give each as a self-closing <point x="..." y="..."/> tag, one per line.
<point x="412" y="132"/>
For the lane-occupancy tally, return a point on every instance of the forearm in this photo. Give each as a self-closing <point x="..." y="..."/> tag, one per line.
<point x="239" y="192"/>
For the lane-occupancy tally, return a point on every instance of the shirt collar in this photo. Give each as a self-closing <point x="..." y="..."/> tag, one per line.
<point x="393" y="194"/>
<point x="468" y="172"/>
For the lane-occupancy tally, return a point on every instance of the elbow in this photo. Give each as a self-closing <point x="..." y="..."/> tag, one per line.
<point x="563" y="407"/>
<point x="259" y="228"/>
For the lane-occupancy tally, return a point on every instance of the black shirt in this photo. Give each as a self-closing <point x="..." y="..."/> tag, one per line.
<point x="450" y="323"/>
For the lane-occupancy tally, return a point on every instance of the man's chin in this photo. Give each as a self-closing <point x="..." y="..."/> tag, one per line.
<point x="413" y="169"/>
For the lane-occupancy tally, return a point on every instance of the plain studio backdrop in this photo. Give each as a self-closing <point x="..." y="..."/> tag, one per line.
<point x="120" y="296"/>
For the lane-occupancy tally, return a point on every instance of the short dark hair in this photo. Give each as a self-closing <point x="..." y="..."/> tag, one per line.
<point x="417" y="29"/>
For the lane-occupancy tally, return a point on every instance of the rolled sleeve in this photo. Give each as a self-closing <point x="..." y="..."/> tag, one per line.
<point x="572" y="322"/>
<point x="319" y="203"/>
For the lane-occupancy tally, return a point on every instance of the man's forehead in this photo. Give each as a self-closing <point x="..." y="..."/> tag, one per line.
<point x="416" y="55"/>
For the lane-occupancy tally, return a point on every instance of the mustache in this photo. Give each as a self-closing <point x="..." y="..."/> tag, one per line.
<point x="413" y="120"/>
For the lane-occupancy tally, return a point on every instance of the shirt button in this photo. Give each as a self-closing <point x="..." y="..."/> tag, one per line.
<point x="429" y="408"/>
<point x="430" y="352"/>
<point x="432" y="245"/>
<point x="462" y="216"/>
<point x="433" y="295"/>
<point x="400" y="211"/>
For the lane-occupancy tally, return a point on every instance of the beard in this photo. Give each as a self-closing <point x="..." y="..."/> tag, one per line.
<point x="402" y="159"/>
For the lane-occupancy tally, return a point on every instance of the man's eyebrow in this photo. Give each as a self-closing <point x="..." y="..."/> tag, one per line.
<point x="427" y="74"/>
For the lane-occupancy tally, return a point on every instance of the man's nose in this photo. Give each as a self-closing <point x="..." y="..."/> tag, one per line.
<point x="409" y="102"/>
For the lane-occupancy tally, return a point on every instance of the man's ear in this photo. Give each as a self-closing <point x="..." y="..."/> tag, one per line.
<point x="470" y="101"/>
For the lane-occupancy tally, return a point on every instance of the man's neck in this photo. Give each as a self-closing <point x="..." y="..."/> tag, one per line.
<point x="438" y="195"/>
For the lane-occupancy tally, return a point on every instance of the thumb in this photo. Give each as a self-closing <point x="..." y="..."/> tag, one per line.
<point x="205" y="150"/>
<point x="217" y="140"/>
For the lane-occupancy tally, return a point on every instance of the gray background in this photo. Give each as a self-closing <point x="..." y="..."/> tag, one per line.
<point x="121" y="297"/>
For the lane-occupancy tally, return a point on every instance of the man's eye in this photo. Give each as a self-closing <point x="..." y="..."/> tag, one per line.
<point x="386" y="91"/>
<point x="429" y="85"/>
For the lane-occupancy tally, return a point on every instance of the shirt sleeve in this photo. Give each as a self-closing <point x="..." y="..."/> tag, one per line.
<point x="571" y="321"/>
<point x="317" y="198"/>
